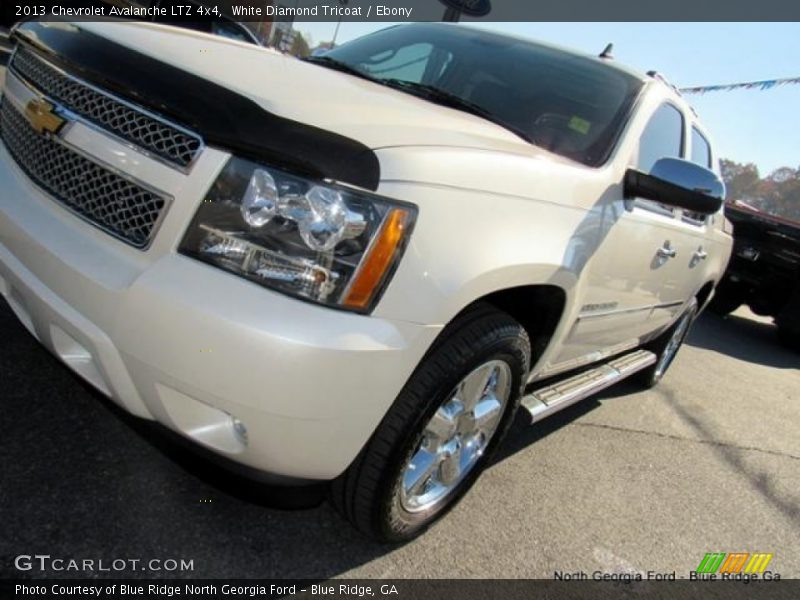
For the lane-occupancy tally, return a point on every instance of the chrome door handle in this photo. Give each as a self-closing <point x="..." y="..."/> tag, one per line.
<point x="666" y="251"/>
<point x="700" y="254"/>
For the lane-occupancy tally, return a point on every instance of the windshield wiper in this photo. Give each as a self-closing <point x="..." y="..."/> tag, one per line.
<point x="435" y="94"/>
<point x="337" y="65"/>
<point x="440" y="96"/>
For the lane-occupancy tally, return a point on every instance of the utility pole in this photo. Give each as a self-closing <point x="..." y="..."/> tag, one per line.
<point x="338" y="24"/>
<point x="336" y="32"/>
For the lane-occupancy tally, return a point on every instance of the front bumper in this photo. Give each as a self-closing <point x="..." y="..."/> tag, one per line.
<point x="193" y="347"/>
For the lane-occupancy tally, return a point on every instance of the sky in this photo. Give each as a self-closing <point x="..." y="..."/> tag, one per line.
<point x="762" y="127"/>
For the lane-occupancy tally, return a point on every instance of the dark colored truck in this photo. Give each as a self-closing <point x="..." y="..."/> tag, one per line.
<point x="764" y="270"/>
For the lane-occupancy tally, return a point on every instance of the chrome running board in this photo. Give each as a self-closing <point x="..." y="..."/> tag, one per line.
<point x="545" y="401"/>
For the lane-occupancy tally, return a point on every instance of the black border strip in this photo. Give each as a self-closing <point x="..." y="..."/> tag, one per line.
<point x="618" y="585"/>
<point x="389" y="11"/>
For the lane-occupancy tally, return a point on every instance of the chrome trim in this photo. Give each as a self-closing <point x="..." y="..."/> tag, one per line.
<point x="71" y="118"/>
<point x="550" y="399"/>
<point x="7" y="67"/>
<point x="666" y="251"/>
<point x="669" y="304"/>
<point x="593" y="357"/>
<point x="675" y="341"/>
<point x="621" y="311"/>
<point x="599" y="307"/>
<point x="654" y="207"/>
<point x="12" y="80"/>
<point x="700" y="254"/>
<point x="689" y="220"/>
<point x="165" y="196"/>
<point x="454" y="438"/>
<point x="168" y="198"/>
<point x="585" y="360"/>
<point x="134" y="107"/>
<point x="127" y="143"/>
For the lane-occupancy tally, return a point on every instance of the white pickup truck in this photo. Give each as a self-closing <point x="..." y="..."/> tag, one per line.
<point x="355" y="268"/>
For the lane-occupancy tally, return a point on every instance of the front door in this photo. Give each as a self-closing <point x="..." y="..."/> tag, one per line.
<point x="635" y="283"/>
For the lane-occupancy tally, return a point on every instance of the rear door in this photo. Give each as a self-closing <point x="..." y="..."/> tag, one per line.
<point x="694" y="228"/>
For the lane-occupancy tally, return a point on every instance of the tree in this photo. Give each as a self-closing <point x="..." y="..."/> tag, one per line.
<point x="778" y="193"/>
<point x="300" y="47"/>
<point x="741" y="180"/>
<point x="782" y="175"/>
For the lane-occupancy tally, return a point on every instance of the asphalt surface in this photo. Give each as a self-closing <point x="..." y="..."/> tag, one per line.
<point x="707" y="462"/>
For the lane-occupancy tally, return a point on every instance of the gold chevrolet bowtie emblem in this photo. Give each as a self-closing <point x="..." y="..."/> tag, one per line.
<point x="40" y="115"/>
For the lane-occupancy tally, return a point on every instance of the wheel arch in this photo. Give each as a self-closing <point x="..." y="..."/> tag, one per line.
<point x="539" y="308"/>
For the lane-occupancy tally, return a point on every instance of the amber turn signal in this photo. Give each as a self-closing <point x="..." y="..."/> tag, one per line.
<point x="379" y="259"/>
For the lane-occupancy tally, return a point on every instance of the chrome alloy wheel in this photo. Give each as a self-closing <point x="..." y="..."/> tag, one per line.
<point x="674" y="343"/>
<point x="455" y="437"/>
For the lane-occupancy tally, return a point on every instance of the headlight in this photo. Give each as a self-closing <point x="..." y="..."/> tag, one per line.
<point x="314" y="240"/>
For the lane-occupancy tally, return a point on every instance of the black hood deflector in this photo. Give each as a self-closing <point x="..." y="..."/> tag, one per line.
<point x="225" y="119"/>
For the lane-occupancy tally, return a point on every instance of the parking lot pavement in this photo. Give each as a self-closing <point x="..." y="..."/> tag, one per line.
<point x="708" y="461"/>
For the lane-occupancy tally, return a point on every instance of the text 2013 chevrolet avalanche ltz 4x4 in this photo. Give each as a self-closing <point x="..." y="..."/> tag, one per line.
<point x="355" y="268"/>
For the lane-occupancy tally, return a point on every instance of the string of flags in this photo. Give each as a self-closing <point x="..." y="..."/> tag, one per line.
<point x="749" y="85"/>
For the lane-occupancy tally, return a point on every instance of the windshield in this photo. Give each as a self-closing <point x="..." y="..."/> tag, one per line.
<point x="566" y="103"/>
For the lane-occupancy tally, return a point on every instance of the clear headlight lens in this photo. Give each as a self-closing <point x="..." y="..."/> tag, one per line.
<point x="260" y="202"/>
<point x="314" y="240"/>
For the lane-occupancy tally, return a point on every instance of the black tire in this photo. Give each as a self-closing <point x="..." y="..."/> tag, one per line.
<point x="651" y="376"/>
<point x="726" y="299"/>
<point x="366" y="494"/>
<point x="788" y="323"/>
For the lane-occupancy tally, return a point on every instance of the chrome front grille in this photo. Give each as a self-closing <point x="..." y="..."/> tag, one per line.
<point x="133" y="124"/>
<point x="113" y="203"/>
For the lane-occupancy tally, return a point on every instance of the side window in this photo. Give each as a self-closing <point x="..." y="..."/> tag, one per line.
<point x="662" y="138"/>
<point x="701" y="155"/>
<point x="701" y="150"/>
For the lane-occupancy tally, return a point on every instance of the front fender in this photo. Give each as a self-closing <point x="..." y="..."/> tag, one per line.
<point x="467" y="244"/>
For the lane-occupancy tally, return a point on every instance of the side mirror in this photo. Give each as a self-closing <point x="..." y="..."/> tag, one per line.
<point x="677" y="182"/>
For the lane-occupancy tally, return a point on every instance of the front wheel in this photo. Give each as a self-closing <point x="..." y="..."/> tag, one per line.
<point x="441" y="430"/>
<point x="666" y="346"/>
